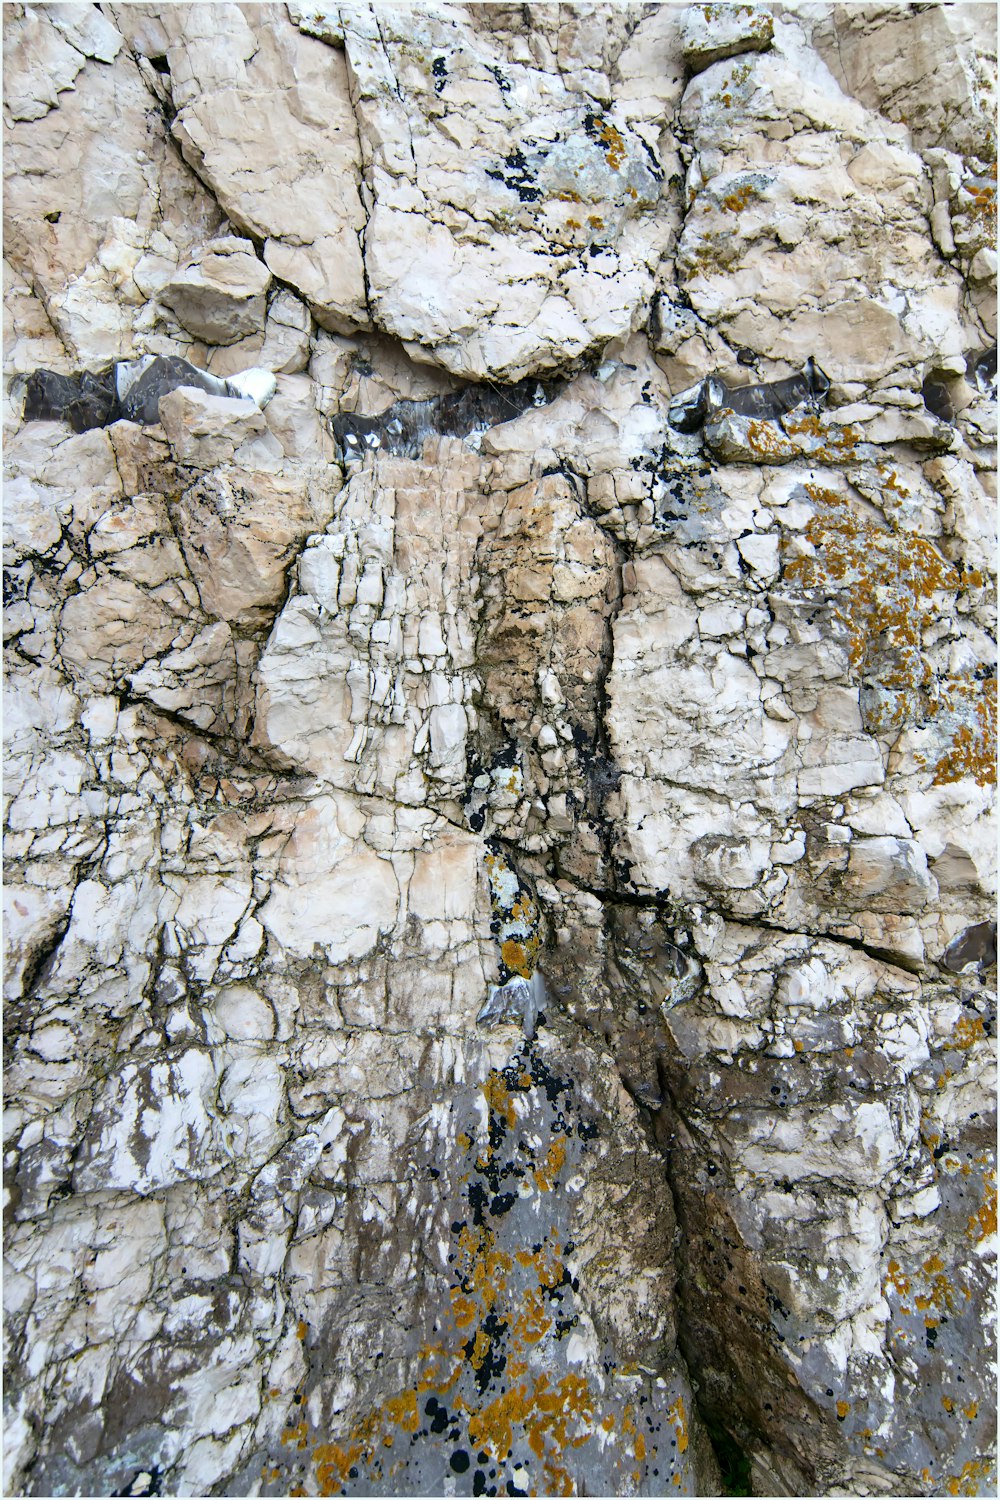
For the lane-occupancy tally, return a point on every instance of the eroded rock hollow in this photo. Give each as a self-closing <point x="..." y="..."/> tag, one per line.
<point x="500" y="748"/>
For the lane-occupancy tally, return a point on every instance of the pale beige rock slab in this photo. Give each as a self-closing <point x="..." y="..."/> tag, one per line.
<point x="265" y="118"/>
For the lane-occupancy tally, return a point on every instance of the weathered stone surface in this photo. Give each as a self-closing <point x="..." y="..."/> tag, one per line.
<point x="499" y="881"/>
<point x="282" y="157"/>
<point x="501" y="247"/>
<point x="219" y="295"/>
<point x="712" y="32"/>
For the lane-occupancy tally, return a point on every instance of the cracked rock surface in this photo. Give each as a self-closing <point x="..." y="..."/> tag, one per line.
<point x="499" y="890"/>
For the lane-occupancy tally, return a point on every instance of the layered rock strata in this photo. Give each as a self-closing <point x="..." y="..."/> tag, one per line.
<point x="499" y="833"/>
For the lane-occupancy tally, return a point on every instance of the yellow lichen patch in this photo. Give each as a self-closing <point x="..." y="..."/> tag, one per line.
<point x="301" y="1330"/>
<point x="895" y="1278"/>
<point x="843" y="1407"/>
<point x="613" y="143"/>
<point x="333" y="1465"/>
<point x="973" y="750"/>
<point x="480" y="1349"/>
<point x="738" y="200"/>
<point x="837" y="443"/>
<point x="519" y="953"/>
<point x="971" y="1411"/>
<point x="402" y="1410"/>
<point x="555" y="1159"/>
<point x="533" y="1322"/>
<point x="974" y="1478"/>
<point x="947" y="1403"/>
<point x="983" y="1222"/>
<point x="498" y="1097"/>
<point x="766" y="440"/>
<point x="463" y="1309"/>
<point x="968" y="1030"/>
<point x="885" y="589"/>
<point x="678" y="1416"/>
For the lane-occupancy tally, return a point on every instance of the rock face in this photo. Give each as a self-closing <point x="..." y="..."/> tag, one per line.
<point x="500" y="759"/>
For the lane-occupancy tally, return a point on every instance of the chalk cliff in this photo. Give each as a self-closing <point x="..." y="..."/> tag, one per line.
<point x="499" y="843"/>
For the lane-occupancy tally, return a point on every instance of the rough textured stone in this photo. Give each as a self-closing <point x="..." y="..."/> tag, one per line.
<point x="219" y="295"/>
<point x="500" y="856"/>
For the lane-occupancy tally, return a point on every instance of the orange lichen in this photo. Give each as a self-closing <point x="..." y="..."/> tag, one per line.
<point x="885" y="589"/>
<point x="678" y="1416"/>
<point x="968" y="1030"/>
<point x="983" y="1222"/>
<point x="843" y="1407"/>
<point x="554" y="1161"/>
<point x="974" y="742"/>
<point x="738" y="200"/>
<point x="402" y="1410"/>
<point x="333" y="1465"/>
<point x="613" y="142"/>
<point x="974" y="1479"/>
<point x="489" y="1309"/>
<point x="895" y="1278"/>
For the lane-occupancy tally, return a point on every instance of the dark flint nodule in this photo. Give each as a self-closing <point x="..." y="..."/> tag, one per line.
<point x="402" y="429"/>
<point x="84" y="401"/>
<point x="141" y="402"/>
<point x="983" y="369"/>
<point x="91" y="399"/>
<point x="937" y="397"/>
<point x="764" y="400"/>
<point x="976" y="945"/>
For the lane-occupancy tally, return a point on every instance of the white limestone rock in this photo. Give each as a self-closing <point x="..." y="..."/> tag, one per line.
<point x="218" y="296"/>
<point x="264" y="114"/>
<point x="314" y="769"/>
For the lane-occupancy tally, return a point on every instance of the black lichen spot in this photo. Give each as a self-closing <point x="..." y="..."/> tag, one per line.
<point x="503" y="83"/>
<point x="439" y="1415"/>
<point x="440" y="71"/>
<point x="479" y="1483"/>
<point x="518" y="177"/>
<point x="493" y="1361"/>
<point x="478" y="1201"/>
<point x="460" y="1461"/>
